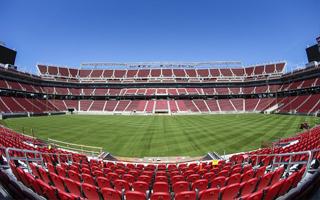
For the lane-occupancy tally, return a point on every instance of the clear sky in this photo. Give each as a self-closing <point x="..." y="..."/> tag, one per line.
<point x="69" y="32"/>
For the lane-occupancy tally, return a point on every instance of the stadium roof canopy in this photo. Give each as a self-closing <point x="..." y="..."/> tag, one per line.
<point x="166" y="64"/>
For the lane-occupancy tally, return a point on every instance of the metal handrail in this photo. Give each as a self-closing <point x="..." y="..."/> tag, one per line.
<point x="35" y="159"/>
<point x="25" y="158"/>
<point x="289" y="163"/>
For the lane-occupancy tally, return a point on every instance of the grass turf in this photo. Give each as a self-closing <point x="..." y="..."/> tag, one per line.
<point x="185" y="135"/>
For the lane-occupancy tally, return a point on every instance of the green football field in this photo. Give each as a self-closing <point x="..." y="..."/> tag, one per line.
<point x="185" y="135"/>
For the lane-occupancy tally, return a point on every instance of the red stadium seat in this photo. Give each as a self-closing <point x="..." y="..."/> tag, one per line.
<point x="264" y="181"/>
<point x="66" y="196"/>
<point x="110" y="194"/>
<point x="161" y="179"/>
<point x="44" y="175"/>
<point x="73" y="186"/>
<point x="224" y="173"/>
<point x="277" y="175"/>
<point x="103" y="182"/>
<point x="210" y="194"/>
<point x="176" y="178"/>
<point x="61" y="171"/>
<point x="180" y="186"/>
<point x="160" y="196"/>
<point x="120" y="184"/>
<point x="51" y="168"/>
<point x="233" y="179"/>
<point x="57" y="181"/>
<point x="34" y="184"/>
<point x="161" y="187"/>
<point x="186" y="195"/>
<point x="88" y="179"/>
<point x="34" y="170"/>
<point x="140" y="186"/>
<point x="129" y="178"/>
<point x="90" y="191"/>
<point x="145" y="178"/>
<point x="209" y="176"/>
<point x="247" y="175"/>
<point x="248" y="187"/>
<point x="23" y="177"/>
<point x="272" y="191"/>
<point x="260" y="172"/>
<point x="135" y="195"/>
<point x="201" y="184"/>
<point x="173" y="173"/>
<point x="48" y="190"/>
<point x="218" y="182"/>
<point x="288" y="183"/>
<point x="74" y="175"/>
<point x="193" y="177"/>
<point x="230" y="191"/>
<point x="112" y="176"/>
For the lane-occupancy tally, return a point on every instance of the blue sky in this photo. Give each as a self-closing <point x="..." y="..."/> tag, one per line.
<point x="70" y="32"/>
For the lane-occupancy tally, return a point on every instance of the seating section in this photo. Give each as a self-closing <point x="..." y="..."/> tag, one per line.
<point x="252" y="177"/>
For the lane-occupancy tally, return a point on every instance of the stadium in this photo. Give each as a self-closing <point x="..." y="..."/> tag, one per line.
<point x="162" y="130"/>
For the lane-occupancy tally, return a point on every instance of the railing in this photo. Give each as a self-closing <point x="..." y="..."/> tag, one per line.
<point x="35" y="158"/>
<point x="77" y="147"/>
<point x="289" y="163"/>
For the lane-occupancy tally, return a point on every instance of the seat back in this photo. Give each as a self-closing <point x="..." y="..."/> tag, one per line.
<point x="120" y="184"/>
<point x="264" y="181"/>
<point x="103" y="182"/>
<point x="180" y="186"/>
<point x="140" y="186"/>
<point x="186" y="195"/>
<point x="57" y="181"/>
<point x="73" y="186"/>
<point x="248" y="186"/>
<point x="88" y="179"/>
<point x="210" y="194"/>
<point x="161" y="187"/>
<point x="247" y="176"/>
<point x="110" y="194"/>
<point x="135" y="195"/>
<point x="230" y="191"/>
<point x="48" y="190"/>
<point x="277" y="175"/>
<point x="272" y="191"/>
<point x="44" y="175"/>
<point x="61" y="171"/>
<point x="160" y="196"/>
<point x="201" y="185"/>
<point x="34" y="184"/>
<point x="90" y="191"/>
<point x="218" y="182"/>
<point x="23" y="177"/>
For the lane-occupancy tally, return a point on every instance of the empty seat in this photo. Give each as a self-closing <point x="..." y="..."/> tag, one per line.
<point x="161" y="179"/>
<point x="260" y="172"/>
<point x="272" y="191"/>
<point x="23" y="177"/>
<point x="110" y="194"/>
<point x="160" y="196"/>
<point x="230" y="191"/>
<point x="129" y="178"/>
<point x="48" y="190"/>
<point x="145" y="178"/>
<point x="135" y="195"/>
<point x="276" y="175"/>
<point x="233" y="179"/>
<point x="247" y="175"/>
<point x="218" y="182"/>
<point x="90" y="191"/>
<point x="264" y="181"/>
<point x="88" y="179"/>
<point x="209" y="194"/>
<point x="176" y="178"/>
<point x="180" y="186"/>
<point x="112" y="176"/>
<point x="140" y="186"/>
<point x="288" y="183"/>
<point x="103" y="182"/>
<point x="201" y="184"/>
<point x="73" y="186"/>
<point x="248" y="186"/>
<point x="209" y="176"/>
<point x="61" y="171"/>
<point x="120" y="184"/>
<point x="193" y="177"/>
<point x="57" y="181"/>
<point x="161" y="187"/>
<point x="186" y="195"/>
<point x="34" y="184"/>
<point x="44" y="175"/>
